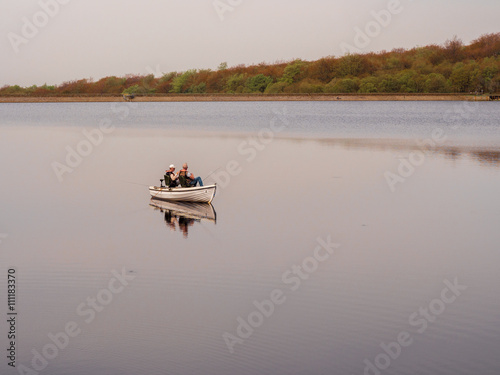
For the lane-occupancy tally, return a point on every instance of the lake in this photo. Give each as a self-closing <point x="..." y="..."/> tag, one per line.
<point x="344" y="238"/>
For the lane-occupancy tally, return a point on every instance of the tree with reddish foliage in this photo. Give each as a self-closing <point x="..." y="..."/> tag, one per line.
<point x="486" y="45"/>
<point x="454" y="49"/>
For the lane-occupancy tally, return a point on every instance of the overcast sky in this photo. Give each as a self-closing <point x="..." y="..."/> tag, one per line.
<point x="97" y="38"/>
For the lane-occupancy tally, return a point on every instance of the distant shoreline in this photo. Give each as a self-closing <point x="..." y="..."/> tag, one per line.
<point x="246" y="98"/>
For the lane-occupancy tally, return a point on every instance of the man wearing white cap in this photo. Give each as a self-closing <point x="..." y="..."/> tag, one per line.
<point x="173" y="178"/>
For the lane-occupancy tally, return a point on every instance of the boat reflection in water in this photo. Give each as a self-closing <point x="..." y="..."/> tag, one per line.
<point x="182" y="215"/>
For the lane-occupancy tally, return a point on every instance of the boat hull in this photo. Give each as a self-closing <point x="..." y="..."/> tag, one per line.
<point x="203" y="194"/>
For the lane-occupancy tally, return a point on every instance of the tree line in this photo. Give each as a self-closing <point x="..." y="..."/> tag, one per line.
<point x="449" y="68"/>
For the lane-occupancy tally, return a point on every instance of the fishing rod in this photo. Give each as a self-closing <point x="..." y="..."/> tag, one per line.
<point x="133" y="183"/>
<point x="211" y="173"/>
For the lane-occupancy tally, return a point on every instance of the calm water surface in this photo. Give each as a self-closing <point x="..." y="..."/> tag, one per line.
<point x="154" y="288"/>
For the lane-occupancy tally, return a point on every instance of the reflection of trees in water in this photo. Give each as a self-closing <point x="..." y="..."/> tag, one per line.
<point x="452" y="153"/>
<point x="487" y="157"/>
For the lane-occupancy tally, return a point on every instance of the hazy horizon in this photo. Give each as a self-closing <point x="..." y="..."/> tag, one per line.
<point x="75" y="39"/>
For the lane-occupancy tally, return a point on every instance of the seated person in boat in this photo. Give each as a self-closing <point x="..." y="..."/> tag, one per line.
<point x="171" y="179"/>
<point x="187" y="179"/>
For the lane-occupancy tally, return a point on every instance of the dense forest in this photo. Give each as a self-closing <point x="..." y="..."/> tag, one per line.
<point x="449" y="68"/>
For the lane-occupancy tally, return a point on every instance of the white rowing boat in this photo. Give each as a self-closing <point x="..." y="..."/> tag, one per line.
<point x="204" y="194"/>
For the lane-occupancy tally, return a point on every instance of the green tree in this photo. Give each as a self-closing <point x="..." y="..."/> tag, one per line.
<point x="394" y="63"/>
<point x="409" y="81"/>
<point x="490" y="68"/>
<point x="435" y="83"/>
<point x="235" y="83"/>
<point x="460" y="78"/>
<point x="422" y="66"/>
<point x="276" y="88"/>
<point x="179" y="82"/>
<point x="343" y="86"/>
<point x="350" y="65"/>
<point x="388" y="83"/>
<point x="13" y="90"/>
<point x="309" y="86"/>
<point x="258" y="83"/>
<point x="445" y="68"/>
<point x="132" y="90"/>
<point x="494" y="85"/>
<point x="292" y="72"/>
<point x="198" y="89"/>
<point x="476" y="79"/>
<point x="368" y="85"/>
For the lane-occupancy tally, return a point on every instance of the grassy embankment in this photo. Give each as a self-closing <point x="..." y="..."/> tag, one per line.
<point x="245" y="98"/>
